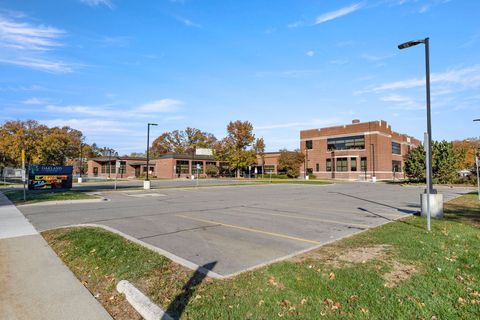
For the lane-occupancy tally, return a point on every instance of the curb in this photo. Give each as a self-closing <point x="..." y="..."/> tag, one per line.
<point x="188" y="264"/>
<point x="146" y="308"/>
<point x="57" y="202"/>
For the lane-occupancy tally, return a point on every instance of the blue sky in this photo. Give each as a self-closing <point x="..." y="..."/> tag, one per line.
<point x="107" y="67"/>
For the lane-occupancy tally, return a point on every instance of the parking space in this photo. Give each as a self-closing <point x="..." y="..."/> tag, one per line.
<point x="244" y="226"/>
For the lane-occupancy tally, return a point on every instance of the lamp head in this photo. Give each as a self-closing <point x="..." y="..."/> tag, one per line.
<point x="410" y="44"/>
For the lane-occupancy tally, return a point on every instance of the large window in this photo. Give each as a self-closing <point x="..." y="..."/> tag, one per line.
<point x="269" y="168"/>
<point x="353" y="164"/>
<point x="353" y="142"/>
<point x="396" y="166"/>
<point x="123" y="167"/>
<point x="108" y="167"/>
<point x="197" y="167"/>
<point x="342" y="164"/>
<point x="309" y="144"/>
<point x="329" y="164"/>
<point x="181" y="167"/>
<point x="396" y="148"/>
<point x="363" y="164"/>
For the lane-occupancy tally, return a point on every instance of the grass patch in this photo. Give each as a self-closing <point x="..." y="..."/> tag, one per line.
<point x="297" y="181"/>
<point x="40" y="196"/>
<point x="395" y="271"/>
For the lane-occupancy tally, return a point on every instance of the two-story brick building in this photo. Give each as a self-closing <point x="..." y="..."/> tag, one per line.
<point x="356" y="151"/>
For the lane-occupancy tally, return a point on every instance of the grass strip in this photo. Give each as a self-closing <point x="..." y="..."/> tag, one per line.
<point x="394" y="271"/>
<point x="16" y="196"/>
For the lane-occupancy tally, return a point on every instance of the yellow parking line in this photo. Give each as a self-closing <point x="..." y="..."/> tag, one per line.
<point x="251" y="230"/>
<point x="300" y="217"/>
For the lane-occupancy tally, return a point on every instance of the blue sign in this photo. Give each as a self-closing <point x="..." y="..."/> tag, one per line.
<point x="41" y="177"/>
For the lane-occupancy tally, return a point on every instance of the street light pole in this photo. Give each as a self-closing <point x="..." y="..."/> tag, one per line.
<point x="426" y="42"/>
<point x="476" y="165"/>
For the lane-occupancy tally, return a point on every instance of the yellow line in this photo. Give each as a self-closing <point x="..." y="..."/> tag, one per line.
<point x="251" y="230"/>
<point x="300" y="217"/>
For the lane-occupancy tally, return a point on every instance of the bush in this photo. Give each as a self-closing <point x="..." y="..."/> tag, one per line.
<point x="211" y="170"/>
<point x="274" y="176"/>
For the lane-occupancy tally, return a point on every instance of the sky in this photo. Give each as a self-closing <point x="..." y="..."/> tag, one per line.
<point x="108" y="67"/>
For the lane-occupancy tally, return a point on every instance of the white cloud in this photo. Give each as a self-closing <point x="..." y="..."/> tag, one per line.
<point x="34" y="101"/>
<point x="310" y="53"/>
<point x="406" y="102"/>
<point x="24" y="36"/>
<point x="295" y="24"/>
<point x="92" y="127"/>
<point x="98" y="111"/>
<point x="27" y="45"/>
<point x="338" y="13"/>
<point x="159" y="106"/>
<point x="96" y="3"/>
<point x="467" y="77"/>
<point x="188" y="22"/>
<point x="40" y="64"/>
<point x="297" y="124"/>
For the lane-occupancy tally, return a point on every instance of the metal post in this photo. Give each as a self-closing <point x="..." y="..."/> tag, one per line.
<point x="24" y="176"/>
<point x="148" y="149"/>
<point x="109" y="162"/>
<point x="478" y="176"/>
<point x="427" y="142"/>
<point x="429" y="121"/>
<point x="305" y="165"/>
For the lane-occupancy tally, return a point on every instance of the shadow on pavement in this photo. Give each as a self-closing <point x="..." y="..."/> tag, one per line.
<point x="379" y="203"/>
<point x="177" y="306"/>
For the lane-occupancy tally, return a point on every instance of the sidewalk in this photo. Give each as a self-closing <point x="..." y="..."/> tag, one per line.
<point x="34" y="282"/>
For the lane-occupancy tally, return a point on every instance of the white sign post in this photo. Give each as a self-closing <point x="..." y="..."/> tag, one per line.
<point x="24" y="178"/>
<point x="117" y="167"/>
<point x="198" y="172"/>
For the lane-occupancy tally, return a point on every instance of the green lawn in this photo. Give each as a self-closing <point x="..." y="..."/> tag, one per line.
<point x="395" y="271"/>
<point x="40" y="196"/>
<point x="294" y="181"/>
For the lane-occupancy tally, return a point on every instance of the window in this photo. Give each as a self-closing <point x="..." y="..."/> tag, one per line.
<point x="194" y="167"/>
<point x="108" y="166"/>
<point x="329" y="164"/>
<point x="309" y="144"/>
<point x="181" y="167"/>
<point x="344" y="143"/>
<point x="123" y="167"/>
<point x="342" y="164"/>
<point x="396" y="148"/>
<point x="353" y="164"/>
<point x="211" y="163"/>
<point x="309" y="170"/>
<point x="396" y="166"/>
<point x="269" y="168"/>
<point x="317" y="167"/>
<point x="363" y="164"/>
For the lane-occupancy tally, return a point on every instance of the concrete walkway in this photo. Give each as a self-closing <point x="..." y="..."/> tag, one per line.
<point x="34" y="283"/>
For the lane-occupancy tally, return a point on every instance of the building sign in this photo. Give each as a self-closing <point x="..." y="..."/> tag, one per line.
<point x="203" y="152"/>
<point x="42" y="177"/>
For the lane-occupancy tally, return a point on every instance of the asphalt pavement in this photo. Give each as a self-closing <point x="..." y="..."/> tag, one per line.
<point x="240" y="227"/>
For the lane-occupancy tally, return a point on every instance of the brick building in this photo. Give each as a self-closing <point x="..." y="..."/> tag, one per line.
<point x="130" y="167"/>
<point x="172" y="166"/>
<point x="356" y="151"/>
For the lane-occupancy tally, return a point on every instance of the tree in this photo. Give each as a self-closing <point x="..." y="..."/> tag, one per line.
<point x="443" y="163"/>
<point x="211" y="170"/>
<point x="465" y="151"/>
<point x="237" y="147"/>
<point x="259" y="147"/>
<point x="42" y="145"/>
<point x="290" y="162"/>
<point x="182" y="141"/>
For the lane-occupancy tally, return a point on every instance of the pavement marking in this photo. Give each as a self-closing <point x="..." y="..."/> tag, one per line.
<point x="301" y="217"/>
<point x="279" y="235"/>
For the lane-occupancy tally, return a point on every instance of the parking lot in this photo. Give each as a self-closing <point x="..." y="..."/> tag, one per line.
<point x="240" y="227"/>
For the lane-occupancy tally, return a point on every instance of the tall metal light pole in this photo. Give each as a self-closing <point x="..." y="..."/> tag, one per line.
<point x="429" y="122"/>
<point x="478" y="174"/>
<point x="148" y="148"/>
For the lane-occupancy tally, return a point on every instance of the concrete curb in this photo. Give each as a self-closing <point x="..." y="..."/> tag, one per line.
<point x="57" y="202"/>
<point x="146" y="308"/>
<point x="188" y="264"/>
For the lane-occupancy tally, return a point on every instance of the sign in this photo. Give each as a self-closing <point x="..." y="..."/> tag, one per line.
<point x="203" y="152"/>
<point x="23" y="155"/>
<point x="117" y="164"/>
<point x="43" y="177"/>
<point x="198" y="166"/>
